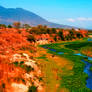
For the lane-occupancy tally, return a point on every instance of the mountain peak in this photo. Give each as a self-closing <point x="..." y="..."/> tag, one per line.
<point x="9" y="15"/>
<point x="1" y="7"/>
<point x="19" y="9"/>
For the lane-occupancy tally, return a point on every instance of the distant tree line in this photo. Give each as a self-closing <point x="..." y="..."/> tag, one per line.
<point x="62" y="34"/>
<point x="15" y="25"/>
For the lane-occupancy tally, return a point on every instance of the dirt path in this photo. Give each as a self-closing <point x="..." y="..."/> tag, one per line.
<point x="52" y="67"/>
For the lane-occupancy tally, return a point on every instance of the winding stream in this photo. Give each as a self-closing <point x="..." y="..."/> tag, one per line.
<point x="87" y="66"/>
<point x="87" y="71"/>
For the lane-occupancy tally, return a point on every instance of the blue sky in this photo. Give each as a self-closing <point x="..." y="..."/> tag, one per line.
<point x="70" y="12"/>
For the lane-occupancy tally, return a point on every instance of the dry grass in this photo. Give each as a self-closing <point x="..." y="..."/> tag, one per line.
<point x="51" y="70"/>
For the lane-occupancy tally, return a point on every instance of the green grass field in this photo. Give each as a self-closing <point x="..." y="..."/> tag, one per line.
<point x="77" y="81"/>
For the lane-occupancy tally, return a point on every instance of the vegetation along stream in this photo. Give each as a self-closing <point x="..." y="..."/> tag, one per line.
<point x="81" y="79"/>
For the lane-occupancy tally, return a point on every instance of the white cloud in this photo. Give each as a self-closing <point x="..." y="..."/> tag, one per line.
<point x="81" y="19"/>
<point x="89" y="19"/>
<point x="84" y="19"/>
<point x="71" y="20"/>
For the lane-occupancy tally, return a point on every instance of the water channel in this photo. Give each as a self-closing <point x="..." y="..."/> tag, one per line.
<point x="87" y="65"/>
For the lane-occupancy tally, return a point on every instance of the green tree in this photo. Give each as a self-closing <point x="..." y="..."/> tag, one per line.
<point x="71" y="35"/>
<point x="55" y="38"/>
<point x="9" y="26"/>
<point x="54" y="30"/>
<point x="32" y="89"/>
<point x="79" y="35"/>
<point x="31" y="38"/>
<point x="48" y="30"/>
<point x="2" y="26"/>
<point x="60" y="34"/>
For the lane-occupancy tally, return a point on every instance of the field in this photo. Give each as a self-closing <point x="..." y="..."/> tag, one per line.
<point x="74" y="79"/>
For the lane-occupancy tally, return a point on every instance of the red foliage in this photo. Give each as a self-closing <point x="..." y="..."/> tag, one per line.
<point x="65" y="33"/>
<point x="9" y="71"/>
<point x="11" y="41"/>
<point x="83" y="32"/>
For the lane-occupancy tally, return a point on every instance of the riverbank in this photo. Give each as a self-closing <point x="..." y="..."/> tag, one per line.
<point x="74" y="80"/>
<point x="52" y="67"/>
<point x="87" y="50"/>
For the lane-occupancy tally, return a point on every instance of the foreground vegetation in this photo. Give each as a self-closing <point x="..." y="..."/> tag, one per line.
<point x="18" y="57"/>
<point x="84" y="47"/>
<point x="91" y="68"/>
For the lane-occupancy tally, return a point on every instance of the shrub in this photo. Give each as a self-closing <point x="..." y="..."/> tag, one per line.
<point x="32" y="89"/>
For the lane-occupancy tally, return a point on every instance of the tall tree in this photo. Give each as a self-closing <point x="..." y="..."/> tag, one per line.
<point x="17" y="24"/>
<point x="26" y="26"/>
<point x="2" y="26"/>
<point x="60" y="34"/>
<point x="9" y="26"/>
<point x="40" y="26"/>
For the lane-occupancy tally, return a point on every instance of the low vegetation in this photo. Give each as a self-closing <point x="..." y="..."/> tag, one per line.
<point x="77" y="81"/>
<point x="18" y="49"/>
<point x="91" y="68"/>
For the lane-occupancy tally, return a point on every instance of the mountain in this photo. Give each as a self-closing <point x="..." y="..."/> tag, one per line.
<point x="9" y="15"/>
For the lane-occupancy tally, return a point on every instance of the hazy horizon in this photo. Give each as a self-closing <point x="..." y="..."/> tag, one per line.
<point x="68" y="12"/>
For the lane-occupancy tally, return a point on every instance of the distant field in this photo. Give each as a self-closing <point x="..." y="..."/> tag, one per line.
<point x="78" y="46"/>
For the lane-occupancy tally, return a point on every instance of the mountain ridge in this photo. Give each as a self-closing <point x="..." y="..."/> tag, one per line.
<point x="9" y="15"/>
